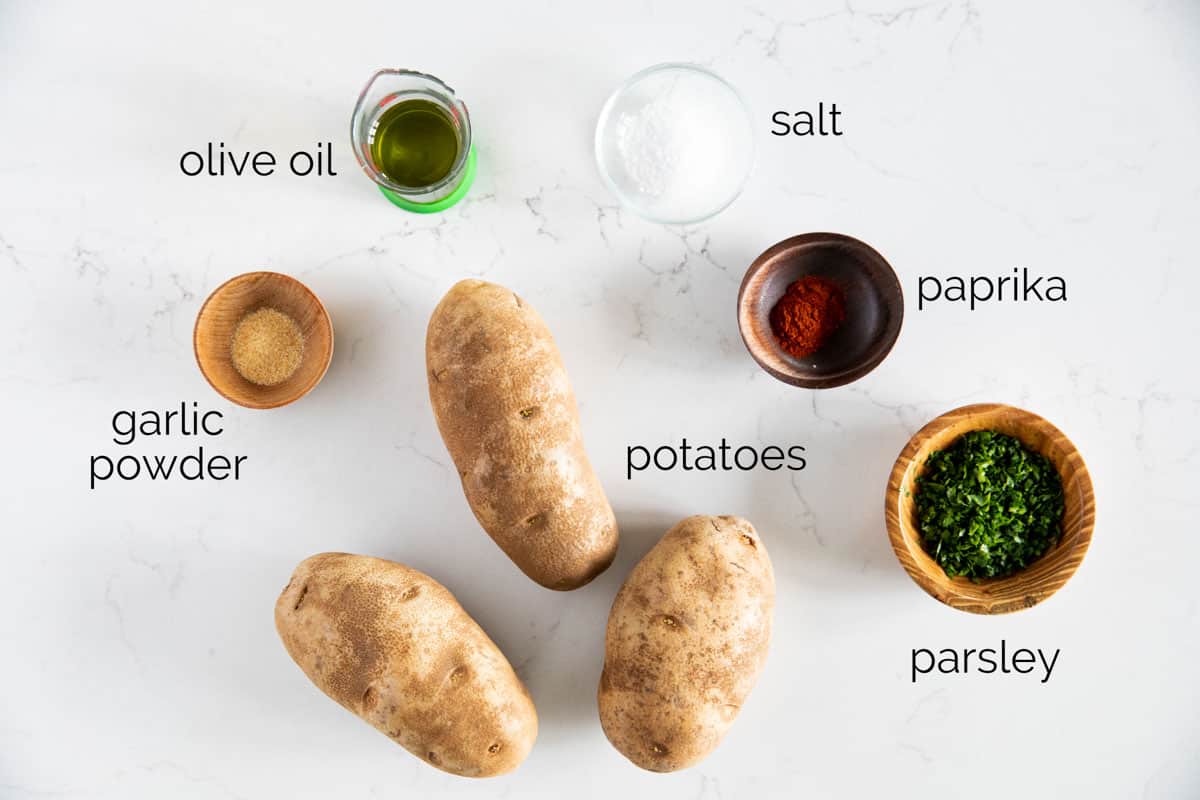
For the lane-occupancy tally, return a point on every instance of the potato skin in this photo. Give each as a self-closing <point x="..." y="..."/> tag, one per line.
<point x="687" y="638"/>
<point x="507" y="414"/>
<point x="393" y="646"/>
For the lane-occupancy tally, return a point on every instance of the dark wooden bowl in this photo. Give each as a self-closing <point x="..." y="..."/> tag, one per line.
<point x="874" y="308"/>
<point x="225" y="308"/>
<point x="1040" y="579"/>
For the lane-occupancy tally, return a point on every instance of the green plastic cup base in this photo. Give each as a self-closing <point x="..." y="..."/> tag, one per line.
<point x="459" y="192"/>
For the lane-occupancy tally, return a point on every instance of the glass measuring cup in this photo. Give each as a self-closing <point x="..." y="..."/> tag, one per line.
<point x="387" y="89"/>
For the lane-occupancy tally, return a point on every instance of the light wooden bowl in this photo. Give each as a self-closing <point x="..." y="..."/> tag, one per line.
<point x="1040" y="579"/>
<point x="225" y="308"/>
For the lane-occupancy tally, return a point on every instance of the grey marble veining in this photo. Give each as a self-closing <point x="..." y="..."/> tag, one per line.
<point x="140" y="655"/>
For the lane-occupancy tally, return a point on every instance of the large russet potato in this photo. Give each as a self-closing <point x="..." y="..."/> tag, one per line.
<point x="393" y="646"/>
<point x="507" y="414"/>
<point x="687" y="637"/>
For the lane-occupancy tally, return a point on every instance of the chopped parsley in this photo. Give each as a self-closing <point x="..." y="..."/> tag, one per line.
<point x="987" y="506"/>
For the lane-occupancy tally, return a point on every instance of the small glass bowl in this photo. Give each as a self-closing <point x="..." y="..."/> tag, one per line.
<point x="675" y="143"/>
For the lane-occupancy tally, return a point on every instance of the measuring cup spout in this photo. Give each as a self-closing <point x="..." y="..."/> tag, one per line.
<point x="412" y="136"/>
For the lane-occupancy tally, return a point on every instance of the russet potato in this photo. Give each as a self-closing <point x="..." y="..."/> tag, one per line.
<point x="507" y="414"/>
<point x="394" y="647"/>
<point x="687" y="638"/>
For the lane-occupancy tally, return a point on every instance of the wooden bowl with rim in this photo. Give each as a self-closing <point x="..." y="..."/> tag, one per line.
<point x="874" y="308"/>
<point x="1037" y="581"/>
<point x="212" y="337"/>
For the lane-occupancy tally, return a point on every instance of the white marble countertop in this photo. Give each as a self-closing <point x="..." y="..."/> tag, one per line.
<point x="140" y="657"/>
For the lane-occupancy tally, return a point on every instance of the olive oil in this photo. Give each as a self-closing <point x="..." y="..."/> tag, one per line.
<point x="414" y="143"/>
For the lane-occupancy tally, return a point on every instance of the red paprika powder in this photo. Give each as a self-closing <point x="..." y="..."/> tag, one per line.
<point x="810" y="310"/>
